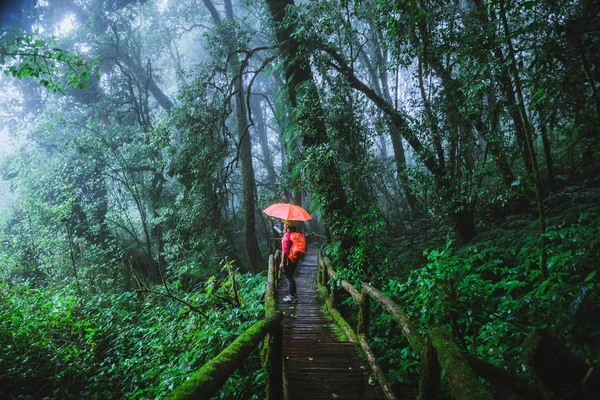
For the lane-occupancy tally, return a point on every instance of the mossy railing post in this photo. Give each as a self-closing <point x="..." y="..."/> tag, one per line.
<point x="273" y="355"/>
<point x="363" y="314"/>
<point x="331" y="283"/>
<point x="324" y="276"/>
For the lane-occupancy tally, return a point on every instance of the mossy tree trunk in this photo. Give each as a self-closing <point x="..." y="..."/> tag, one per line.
<point x="323" y="172"/>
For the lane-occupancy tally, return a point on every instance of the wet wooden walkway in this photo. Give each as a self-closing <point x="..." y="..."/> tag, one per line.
<point x="319" y="363"/>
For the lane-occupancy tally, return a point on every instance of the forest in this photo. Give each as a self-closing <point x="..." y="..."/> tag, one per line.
<point x="448" y="151"/>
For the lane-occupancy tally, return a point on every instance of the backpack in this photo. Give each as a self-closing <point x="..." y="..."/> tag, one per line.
<point x="298" y="247"/>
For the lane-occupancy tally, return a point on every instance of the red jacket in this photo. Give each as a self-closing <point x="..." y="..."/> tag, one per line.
<point x="286" y="243"/>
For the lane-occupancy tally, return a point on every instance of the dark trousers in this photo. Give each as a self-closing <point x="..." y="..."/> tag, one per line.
<point x="288" y="272"/>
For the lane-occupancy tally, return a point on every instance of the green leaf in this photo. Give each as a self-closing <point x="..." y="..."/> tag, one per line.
<point x="590" y="276"/>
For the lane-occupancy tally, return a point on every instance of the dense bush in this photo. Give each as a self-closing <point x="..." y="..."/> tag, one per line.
<point x="58" y="344"/>
<point x="491" y="293"/>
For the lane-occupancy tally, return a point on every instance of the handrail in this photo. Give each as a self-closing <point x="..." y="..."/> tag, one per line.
<point x="440" y="352"/>
<point x="206" y="382"/>
<point x="403" y="321"/>
<point x="272" y="355"/>
<point x="346" y="285"/>
<point x="357" y="338"/>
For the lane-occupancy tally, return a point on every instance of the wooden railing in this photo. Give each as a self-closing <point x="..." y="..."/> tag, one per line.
<point x="437" y="352"/>
<point x="208" y="380"/>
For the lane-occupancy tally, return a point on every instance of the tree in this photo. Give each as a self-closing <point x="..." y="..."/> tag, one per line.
<point x="236" y="68"/>
<point x="26" y="55"/>
<point x="309" y="117"/>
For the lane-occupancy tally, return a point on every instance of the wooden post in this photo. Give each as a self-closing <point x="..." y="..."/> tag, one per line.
<point x="275" y="375"/>
<point x="320" y="271"/>
<point x="429" y="383"/>
<point x="363" y="315"/>
<point x="324" y="276"/>
<point x="330" y="273"/>
<point x="270" y="303"/>
<point x="333" y="295"/>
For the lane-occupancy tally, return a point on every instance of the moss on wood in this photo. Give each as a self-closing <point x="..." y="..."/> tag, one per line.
<point x="411" y="333"/>
<point x="385" y="387"/>
<point x="338" y="319"/>
<point x="270" y="302"/>
<point x="205" y="382"/>
<point x="463" y="382"/>
<point x="364" y="320"/>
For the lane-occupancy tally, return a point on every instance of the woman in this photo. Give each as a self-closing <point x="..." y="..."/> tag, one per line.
<point x="289" y="257"/>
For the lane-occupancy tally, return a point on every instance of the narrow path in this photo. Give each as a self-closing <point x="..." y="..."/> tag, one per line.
<point x="318" y="362"/>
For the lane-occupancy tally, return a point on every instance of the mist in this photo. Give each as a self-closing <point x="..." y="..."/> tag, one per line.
<point x="433" y="143"/>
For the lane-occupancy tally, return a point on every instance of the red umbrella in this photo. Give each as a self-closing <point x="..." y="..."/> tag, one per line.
<point x="290" y="212"/>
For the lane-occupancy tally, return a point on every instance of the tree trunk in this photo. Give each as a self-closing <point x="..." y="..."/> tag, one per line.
<point x="505" y="84"/>
<point x="248" y="183"/>
<point x="548" y="156"/>
<point x="304" y="98"/>
<point x="156" y="190"/>
<point x="245" y="147"/>
<point x="529" y="140"/>
<point x="380" y="81"/>
<point x="261" y="129"/>
<point x="464" y="223"/>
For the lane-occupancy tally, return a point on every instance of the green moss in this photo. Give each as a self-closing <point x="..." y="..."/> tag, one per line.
<point x="463" y="382"/>
<point x="342" y="326"/>
<point x="208" y="379"/>
<point x="266" y="361"/>
<point x="530" y="345"/>
<point x="337" y="331"/>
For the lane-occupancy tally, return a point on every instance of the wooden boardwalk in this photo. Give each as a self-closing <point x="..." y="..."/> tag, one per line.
<point x="319" y="362"/>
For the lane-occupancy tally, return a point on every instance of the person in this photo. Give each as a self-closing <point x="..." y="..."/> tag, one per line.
<point x="286" y="264"/>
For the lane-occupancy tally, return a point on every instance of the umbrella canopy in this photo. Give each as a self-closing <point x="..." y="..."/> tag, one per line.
<point x="290" y="212"/>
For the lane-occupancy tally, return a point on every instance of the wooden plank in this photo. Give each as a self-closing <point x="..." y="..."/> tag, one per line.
<point x="319" y="362"/>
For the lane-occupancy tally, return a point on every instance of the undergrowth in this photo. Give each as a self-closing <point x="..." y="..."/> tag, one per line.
<point x="57" y="344"/>
<point x="491" y="293"/>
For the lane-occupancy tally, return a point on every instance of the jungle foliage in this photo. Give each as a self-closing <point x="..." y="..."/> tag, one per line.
<point x="448" y="152"/>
